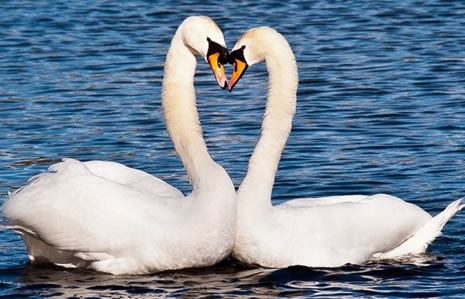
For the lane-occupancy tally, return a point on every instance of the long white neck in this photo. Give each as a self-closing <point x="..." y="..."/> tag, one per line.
<point x="257" y="185"/>
<point x="180" y="112"/>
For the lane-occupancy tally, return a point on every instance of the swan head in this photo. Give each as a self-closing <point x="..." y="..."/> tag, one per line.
<point x="204" y="38"/>
<point x="250" y="49"/>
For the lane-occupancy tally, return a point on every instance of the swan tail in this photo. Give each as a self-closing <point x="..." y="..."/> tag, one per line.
<point x="41" y="252"/>
<point x="419" y="242"/>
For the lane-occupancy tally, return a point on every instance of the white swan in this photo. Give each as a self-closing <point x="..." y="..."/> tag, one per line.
<point x="316" y="232"/>
<point x="111" y="218"/>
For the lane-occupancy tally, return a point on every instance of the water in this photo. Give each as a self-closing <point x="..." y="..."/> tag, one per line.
<point x="381" y="108"/>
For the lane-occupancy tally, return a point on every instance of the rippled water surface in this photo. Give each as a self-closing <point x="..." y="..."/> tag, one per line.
<point x="381" y="109"/>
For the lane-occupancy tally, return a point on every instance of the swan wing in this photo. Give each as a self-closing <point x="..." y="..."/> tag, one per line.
<point x="72" y="208"/>
<point x="320" y="201"/>
<point x="350" y="229"/>
<point x="134" y="178"/>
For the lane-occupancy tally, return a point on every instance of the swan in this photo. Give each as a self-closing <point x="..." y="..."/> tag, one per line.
<point x="111" y="218"/>
<point x="315" y="232"/>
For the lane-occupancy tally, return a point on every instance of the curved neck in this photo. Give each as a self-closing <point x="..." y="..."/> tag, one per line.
<point x="276" y="125"/>
<point x="180" y="112"/>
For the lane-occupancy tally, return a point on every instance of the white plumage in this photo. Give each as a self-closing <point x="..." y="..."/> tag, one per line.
<point x="317" y="232"/>
<point x="111" y="218"/>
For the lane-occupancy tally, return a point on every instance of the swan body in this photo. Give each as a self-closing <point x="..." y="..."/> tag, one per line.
<point x="112" y="218"/>
<point x="315" y="232"/>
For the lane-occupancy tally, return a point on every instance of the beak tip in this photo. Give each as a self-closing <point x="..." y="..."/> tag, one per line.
<point x="222" y="83"/>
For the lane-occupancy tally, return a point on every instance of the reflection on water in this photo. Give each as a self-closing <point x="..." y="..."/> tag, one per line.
<point x="380" y="110"/>
<point x="393" y="279"/>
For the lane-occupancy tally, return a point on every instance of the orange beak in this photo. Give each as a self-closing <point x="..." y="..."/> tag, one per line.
<point x="239" y="68"/>
<point x="218" y="70"/>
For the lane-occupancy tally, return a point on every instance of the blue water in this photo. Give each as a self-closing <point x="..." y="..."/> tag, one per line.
<point x="381" y="108"/>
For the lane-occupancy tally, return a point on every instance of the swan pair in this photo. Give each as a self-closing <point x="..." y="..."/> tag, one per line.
<point x="111" y="218"/>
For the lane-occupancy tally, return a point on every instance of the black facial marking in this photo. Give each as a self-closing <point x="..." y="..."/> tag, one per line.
<point x="237" y="54"/>
<point x="214" y="47"/>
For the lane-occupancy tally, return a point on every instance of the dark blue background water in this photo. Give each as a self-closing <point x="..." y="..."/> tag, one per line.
<point x="381" y="108"/>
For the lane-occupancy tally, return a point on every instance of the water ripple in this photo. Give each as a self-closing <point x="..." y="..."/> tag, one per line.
<point x="380" y="110"/>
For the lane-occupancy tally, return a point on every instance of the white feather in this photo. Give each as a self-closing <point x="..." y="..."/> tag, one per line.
<point x="317" y="232"/>
<point x="111" y="218"/>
